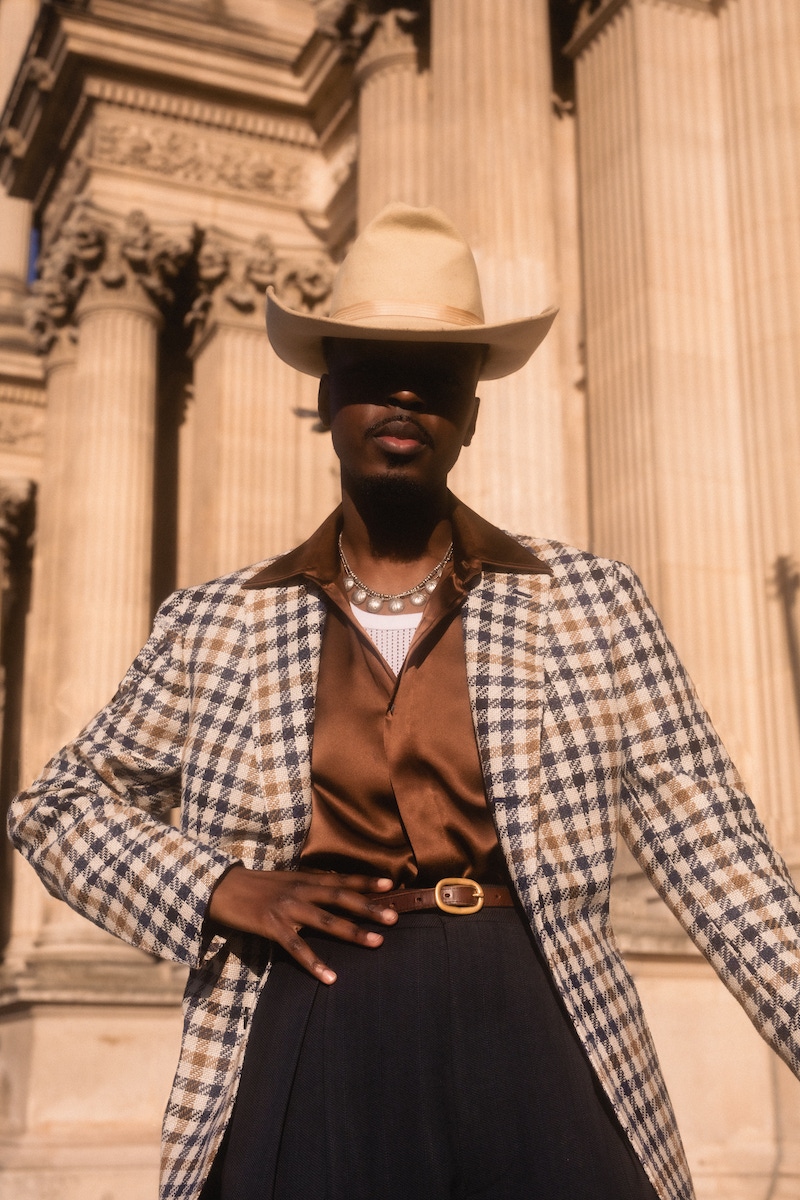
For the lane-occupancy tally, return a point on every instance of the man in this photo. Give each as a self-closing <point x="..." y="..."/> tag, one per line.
<point x="404" y="752"/>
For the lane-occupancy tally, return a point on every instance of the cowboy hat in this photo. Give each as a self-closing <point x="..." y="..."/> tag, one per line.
<point x="409" y="276"/>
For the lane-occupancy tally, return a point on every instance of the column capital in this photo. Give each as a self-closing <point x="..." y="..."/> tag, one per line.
<point x="101" y="258"/>
<point x="377" y="33"/>
<point x="593" y="15"/>
<point x="233" y="277"/>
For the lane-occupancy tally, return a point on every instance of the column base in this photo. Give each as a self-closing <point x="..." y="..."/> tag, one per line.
<point x="43" y="1168"/>
<point x="87" y="1058"/>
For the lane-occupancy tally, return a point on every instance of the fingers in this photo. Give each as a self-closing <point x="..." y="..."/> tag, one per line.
<point x="299" y="949"/>
<point x="300" y="909"/>
<point x="276" y="904"/>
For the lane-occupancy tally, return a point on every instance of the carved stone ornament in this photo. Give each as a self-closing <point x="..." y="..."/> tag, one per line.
<point x="96" y="246"/>
<point x="40" y="72"/>
<point x="359" y="23"/>
<point x="199" y="158"/>
<point x="21" y="429"/>
<point x="233" y="275"/>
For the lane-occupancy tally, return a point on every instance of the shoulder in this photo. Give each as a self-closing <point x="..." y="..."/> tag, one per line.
<point x="211" y="603"/>
<point x="574" y="569"/>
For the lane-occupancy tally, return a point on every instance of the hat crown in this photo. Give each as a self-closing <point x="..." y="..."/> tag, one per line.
<point x="405" y="259"/>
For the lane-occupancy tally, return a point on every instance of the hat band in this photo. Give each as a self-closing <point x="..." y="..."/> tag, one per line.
<point x="433" y="312"/>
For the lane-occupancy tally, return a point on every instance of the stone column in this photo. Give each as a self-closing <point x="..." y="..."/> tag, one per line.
<point x="16" y="500"/>
<point x="259" y="476"/>
<point x="492" y="170"/>
<point x="670" y="461"/>
<point x="17" y="18"/>
<point x="16" y="525"/>
<point x="92" y="597"/>
<point x="761" y="89"/>
<point x="393" y="113"/>
<point x="55" y="336"/>
<point x="667" y="439"/>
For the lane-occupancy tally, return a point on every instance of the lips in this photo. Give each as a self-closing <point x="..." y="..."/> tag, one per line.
<point x="400" y="435"/>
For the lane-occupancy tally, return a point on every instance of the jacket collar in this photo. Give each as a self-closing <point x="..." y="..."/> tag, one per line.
<point x="477" y="545"/>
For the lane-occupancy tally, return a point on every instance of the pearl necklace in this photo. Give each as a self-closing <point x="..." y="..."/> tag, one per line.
<point x="395" y="602"/>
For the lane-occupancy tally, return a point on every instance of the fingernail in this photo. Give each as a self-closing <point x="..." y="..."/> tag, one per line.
<point x="327" y="975"/>
<point x="374" y="939"/>
<point x="384" y="883"/>
<point x="389" y="914"/>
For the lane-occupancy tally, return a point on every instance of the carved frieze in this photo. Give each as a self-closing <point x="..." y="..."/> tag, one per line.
<point x="233" y="277"/>
<point x="98" y="247"/>
<point x="21" y="427"/>
<point x="199" y="157"/>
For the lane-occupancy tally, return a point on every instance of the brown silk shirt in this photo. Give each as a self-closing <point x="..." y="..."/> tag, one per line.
<point x="396" y="778"/>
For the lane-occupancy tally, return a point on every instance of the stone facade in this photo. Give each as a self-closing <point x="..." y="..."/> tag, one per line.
<point x="634" y="162"/>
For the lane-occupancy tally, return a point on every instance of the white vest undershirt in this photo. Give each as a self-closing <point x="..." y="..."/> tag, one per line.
<point x="391" y="633"/>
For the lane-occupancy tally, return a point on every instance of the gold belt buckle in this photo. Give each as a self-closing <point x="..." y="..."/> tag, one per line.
<point x="460" y="910"/>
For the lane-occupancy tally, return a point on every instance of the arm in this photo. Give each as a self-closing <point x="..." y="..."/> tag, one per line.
<point x="94" y="827"/>
<point x="695" y="832"/>
<point x="94" y="824"/>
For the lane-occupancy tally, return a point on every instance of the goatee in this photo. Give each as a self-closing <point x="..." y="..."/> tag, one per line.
<point x="399" y="514"/>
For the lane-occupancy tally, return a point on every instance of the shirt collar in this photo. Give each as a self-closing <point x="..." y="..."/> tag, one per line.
<point x="476" y="545"/>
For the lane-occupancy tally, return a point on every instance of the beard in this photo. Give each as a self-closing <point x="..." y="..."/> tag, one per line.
<point x="399" y="514"/>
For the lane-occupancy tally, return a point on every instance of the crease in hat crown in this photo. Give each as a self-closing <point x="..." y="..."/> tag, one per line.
<point x="409" y="276"/>
<point x="412" y="264"/>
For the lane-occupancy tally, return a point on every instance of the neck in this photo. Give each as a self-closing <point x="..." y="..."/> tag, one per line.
<point x="389" y="526"/>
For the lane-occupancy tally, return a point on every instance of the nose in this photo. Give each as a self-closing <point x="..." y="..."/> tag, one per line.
<point x="407" y="399"/>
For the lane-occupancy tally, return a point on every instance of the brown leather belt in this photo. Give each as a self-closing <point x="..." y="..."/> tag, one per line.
<point x="457" y="896"/>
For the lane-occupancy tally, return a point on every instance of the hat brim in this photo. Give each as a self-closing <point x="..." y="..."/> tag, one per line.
<point x="297" y="337"/>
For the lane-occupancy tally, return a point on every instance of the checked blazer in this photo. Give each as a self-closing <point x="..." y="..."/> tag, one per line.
<point x="587" y="727"/>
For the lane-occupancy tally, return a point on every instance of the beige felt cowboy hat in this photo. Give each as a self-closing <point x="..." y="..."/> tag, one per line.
<point x="409" y="276"/>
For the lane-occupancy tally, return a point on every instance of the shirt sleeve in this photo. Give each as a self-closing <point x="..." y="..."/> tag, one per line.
<point x="94" y="825"/>
<point x="695" y="832"/>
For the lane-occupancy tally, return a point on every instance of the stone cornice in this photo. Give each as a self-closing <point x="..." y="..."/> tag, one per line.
<point x="198" y="112"/>
<point x="78" y="56"/>
<point x="594" y="16"/>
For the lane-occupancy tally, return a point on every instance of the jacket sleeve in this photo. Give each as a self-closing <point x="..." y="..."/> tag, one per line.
<point x="94" y="825"/>
<point x="695" y="832"/>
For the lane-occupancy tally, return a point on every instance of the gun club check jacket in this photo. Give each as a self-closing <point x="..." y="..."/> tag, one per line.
<point x="587" y="727"/>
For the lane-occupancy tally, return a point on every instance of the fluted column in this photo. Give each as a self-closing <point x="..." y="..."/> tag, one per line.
<point x="39" y="727"/>
<point x="667" y="438"/>
<point x="16" y="525"/>
<point x="759" y="40"/>
<point x="16" y="21"/>
<point x="92" y="603"/>
<point x="492" y="170"/>
<point x="670" y="460"/>
<point x="393" y="113"/>
<point x="259" y="475"/>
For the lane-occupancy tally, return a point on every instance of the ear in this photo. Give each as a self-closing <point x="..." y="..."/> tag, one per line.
<point x="469" y="435"/>
<point x="324" y="402"/>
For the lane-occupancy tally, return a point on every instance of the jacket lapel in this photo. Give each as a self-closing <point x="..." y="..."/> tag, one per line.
<point x="285" y="638"/>
<point x="505" y="624"/>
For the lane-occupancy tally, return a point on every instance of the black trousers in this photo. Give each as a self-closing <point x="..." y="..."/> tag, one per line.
<point x="439" y="1067"/>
